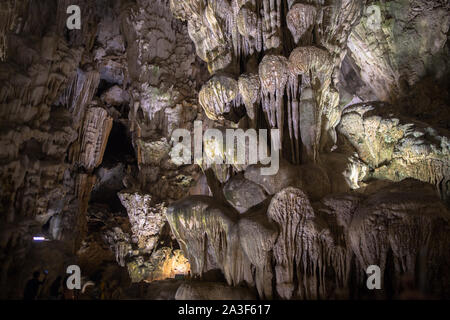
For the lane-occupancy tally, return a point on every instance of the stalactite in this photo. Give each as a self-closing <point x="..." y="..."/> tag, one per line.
<point x="80" y="91"/>
<point x="271" y="24"/>
<point x="218" y="247"/>
<point x="274" y="76"/>
<point x="217" y="95"/>
<point x="300" y="20"/>
<point x="294" y="117"/>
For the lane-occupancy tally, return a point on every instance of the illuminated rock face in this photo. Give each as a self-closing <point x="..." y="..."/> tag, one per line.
<point x="227" y="34"/>
<point x="397" y="148"/>
<point x="86" y="146"/>
<point x="216" y="96"/>
<point x="297" y="84"/>
<point x="146" y="220"/>
<point x="400" y="53"/>
<point x="300" y="19"/>
<point x="163" y="264"/>
<point x="319" y="243"/>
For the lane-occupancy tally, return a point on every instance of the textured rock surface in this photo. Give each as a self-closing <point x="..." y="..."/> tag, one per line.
<point x="243" y="194"/>
<point x="212" y="291"/>
<point x="87" y="152"/>
<point x="316" y="246"/>
<point x="96" y="128"/>
<point x="146" y="219"/>
<point x="394" y="148"/>
<point x="411" y="227"/>
<point x="163" y="264"/>
<point x="209" y="236"/>
<point x="398" y="42"/>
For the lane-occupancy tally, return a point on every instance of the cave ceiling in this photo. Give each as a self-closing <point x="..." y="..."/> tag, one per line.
<point x="348" y="104"/>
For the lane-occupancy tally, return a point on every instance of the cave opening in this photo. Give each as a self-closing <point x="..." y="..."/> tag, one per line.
<point x="118" y="159"/>
<point x="119" y="148"/>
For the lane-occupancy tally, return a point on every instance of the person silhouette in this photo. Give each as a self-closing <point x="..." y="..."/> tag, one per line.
<point x="55" y="289"/>
<point x="32" y="287"/>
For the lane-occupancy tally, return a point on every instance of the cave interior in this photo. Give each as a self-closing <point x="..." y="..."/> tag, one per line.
<point x="354" y="96"/>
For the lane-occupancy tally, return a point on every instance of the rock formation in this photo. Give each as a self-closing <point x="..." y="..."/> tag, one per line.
<point x="355" y="90"/>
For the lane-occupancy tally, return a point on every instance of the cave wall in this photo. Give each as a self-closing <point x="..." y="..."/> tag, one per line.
<point x="62" y="94"/>
<point x="358" y="89"/>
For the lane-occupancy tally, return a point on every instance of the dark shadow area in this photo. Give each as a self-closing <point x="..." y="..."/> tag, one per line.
<point x="119" y="155"/>
<point x="119" y="147"/>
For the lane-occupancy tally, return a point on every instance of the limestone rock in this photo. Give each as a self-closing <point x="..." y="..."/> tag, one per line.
<point x="303" y="59"/>
<point x="95" y="134"/>
<point x="208" y="234"/>
<point x="152" y="152"/>
<point x="393" y="55"/>
<point x="146" y="219"/>
<point x="212" y="291"/>
<point x="287" y="175"/>
<point x="308" y="245"/>
<point x="249" y="88"/>
<point x="300" y="19"/>
<point x="115" y="96"/>
<point x="217" y="95"/>
<point x="395" y="148"/>
<point x="257" y="237"/>
<point x="273" y="75"/>
<point x="163" y="264"/>
<point x="404" y="227"/>
<point x="243" y="194"/>
<point x="86" y="113"/>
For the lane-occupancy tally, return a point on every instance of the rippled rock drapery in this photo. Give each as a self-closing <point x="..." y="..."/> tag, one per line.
<point x="413" y="238"/>
<point x="293" y="83"/>
<point x="86" y="146"/>
<point x="396" y="43"/>
<point x="209" y="236"/>
<point x="316" y="246"/>
<point x="225" y="33"/>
